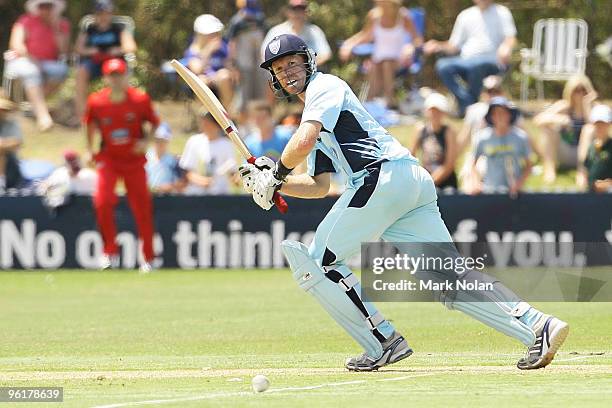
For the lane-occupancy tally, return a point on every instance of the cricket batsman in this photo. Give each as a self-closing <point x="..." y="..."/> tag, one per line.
<point x="118" y="113"/>
<point x="388" y="195"/>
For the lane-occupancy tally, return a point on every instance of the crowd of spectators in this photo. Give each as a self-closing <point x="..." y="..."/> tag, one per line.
<point x="393" y="34"/>
<point x="498" y="151"/>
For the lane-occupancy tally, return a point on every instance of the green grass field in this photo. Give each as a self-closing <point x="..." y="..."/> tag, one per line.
<point x="196" y="338"/>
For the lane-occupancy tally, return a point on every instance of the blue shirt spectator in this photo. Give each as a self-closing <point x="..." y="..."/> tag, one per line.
<point x="216" y="59"/>
<point x="505" y="148"/>
<point x="266" y="139"/>
<point x="208" y="57"/>
<point x="163" y="172"/>
<point x="10" y="141"/>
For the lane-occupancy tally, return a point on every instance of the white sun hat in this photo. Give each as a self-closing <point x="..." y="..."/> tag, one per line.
<point x="31" y="6"/>
<point x="438" y="101"/>
<point x="601" y="113"/>
<point x="207" y="24"/>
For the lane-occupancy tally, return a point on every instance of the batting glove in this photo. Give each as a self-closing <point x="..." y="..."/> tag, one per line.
<point x="265" y="185"/>
<point x="248" y="171"/>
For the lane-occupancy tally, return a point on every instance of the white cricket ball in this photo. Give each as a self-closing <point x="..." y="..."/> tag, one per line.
<point x="260" y="383"/>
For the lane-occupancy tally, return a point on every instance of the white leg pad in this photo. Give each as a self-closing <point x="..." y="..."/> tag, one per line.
<point x="311" y="277"/>
<point x="500" y="308"/>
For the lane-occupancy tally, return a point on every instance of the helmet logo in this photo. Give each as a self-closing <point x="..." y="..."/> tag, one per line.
<point x="274" y="46"/>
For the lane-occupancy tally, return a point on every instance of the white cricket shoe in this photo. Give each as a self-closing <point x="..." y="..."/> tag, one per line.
<point x="395" y="349"/>
<point x="145" y="268"/>
<point x="109" y="262"/>
<point x="549" y="338"/>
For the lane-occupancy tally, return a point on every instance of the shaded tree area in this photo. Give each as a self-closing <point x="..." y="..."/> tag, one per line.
<point x="164" y="27"/>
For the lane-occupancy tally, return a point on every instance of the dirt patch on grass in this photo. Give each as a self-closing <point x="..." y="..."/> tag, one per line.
<point x="235" y="373"/>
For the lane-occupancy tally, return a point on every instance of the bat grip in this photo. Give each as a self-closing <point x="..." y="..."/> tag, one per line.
<point x="280" y="203"/>
<point x="278" y="199"/>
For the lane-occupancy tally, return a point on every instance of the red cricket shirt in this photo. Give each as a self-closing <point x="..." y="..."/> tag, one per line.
<point x="120" y="123"/>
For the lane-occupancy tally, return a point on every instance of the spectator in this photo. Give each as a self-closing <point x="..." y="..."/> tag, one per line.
<point x="390" y="27"/>
<point x="604" y="50"/>
<point x="598" y="163"/>
<point x="245" y="33"/>
<point x="10" y="142"/>
<point x="297" y="24"/>
<point x="100" y="41"/>
<point x="208" y="159"/>
<point x="38" y="45"/>
<point x="71" y="178"/>
<point x="474" y="122"/>
<point x="207" y="56"/>
<point x="292" y="116"/>
<point x="506" y="149"/>
<point x="162" y="168"/>
<point x="118" y="112"/>
<point x="266" y="139"/>
<point x="483" y="36"/>
<point x="438" y="142"/>
<point x="475" y="114"/>
<point x="562" y="125"/>
<point x="79" y="180"/>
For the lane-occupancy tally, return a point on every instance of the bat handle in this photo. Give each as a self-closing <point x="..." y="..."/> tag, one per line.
<point x="278" y="199"/>
<point x="280" y="203"/>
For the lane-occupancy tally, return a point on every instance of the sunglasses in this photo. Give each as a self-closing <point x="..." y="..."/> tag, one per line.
<point x="580" y="89"/>
<point x="298" y="8"/>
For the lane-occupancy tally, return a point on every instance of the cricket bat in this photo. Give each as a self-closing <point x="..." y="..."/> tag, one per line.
<point x="216" y="109"/>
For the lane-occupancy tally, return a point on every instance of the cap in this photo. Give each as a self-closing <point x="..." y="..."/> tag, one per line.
<point x="70" y="155"/>
<point x="207" y="24"/>
<point x="252" y="7"/>
<point x="436" y="100"/>
<point x="114" y="66"/>
<point x="103" y="5"/>
<point x="73" y="160"/>
<point x="163" y="132"/>
<point x="500" y="101"/>
<point x="601" y="113"/>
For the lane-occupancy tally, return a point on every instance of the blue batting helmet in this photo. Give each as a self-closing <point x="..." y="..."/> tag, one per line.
<point x="281" y="46"/>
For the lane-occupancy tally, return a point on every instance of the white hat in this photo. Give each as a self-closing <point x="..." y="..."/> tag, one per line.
<point x="436" y="100"/>
<point x="601" y="113"/>
<point x="31" y="6"/>
<point x="207" y="24"/>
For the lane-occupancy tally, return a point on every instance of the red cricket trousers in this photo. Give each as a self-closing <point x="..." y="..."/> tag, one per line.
<point x="139" y="199"/>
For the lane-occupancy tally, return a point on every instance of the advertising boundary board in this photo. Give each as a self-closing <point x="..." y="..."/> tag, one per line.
<point x="232" y="232"/>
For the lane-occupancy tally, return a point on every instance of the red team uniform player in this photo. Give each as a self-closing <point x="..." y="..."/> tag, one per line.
<point x="118" y="112"/>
